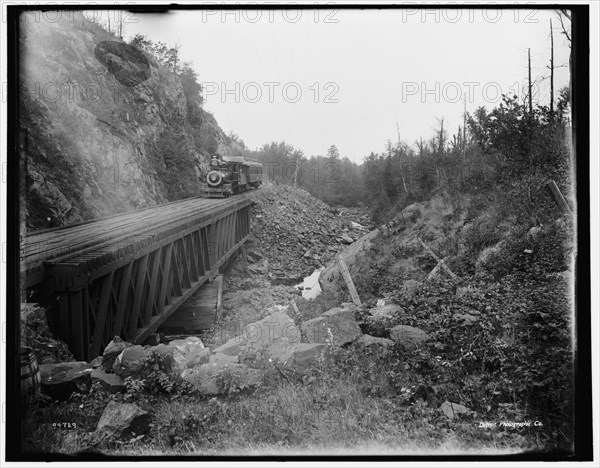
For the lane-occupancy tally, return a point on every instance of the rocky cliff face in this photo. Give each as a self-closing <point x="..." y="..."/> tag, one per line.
<point x="104" y="127"/>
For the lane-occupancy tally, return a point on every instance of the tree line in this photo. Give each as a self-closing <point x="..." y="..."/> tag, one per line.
<point x="509" y="144"/>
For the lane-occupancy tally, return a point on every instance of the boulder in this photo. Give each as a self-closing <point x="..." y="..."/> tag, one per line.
<point x="262" y="334"/>
<point x="222" y="376"/>
<point x="410" y="337"/>
<point x="121" y="418"/>
<point x="111" y="382"/>
<point x="451" y="410"/>
<point x="411" y="212"/>
<point x="220" y="358"/>
<point x="60" y="380"/>
<point x="112" y="350"/>
<point x="368" y="340"/>
<point x="254" y="256"/>
<point x="347" y="239"/>
<point x="386" y="311"/>
<point x="130" y="362"/>
<point x="191" y="343"/>
<point x="96" y="362"/>
<point x="197" y="357"/>
<point x="336" y="324"/>
<point x="258" y="269"/>
<point x="51" y="351"/>
<point x="171" y="359"/>
<point x="300" y="357"/>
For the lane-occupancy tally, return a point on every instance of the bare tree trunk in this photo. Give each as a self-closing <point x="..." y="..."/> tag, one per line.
<point x="529" y="70"/>
<point x="441" y="142"/>
<point x="529" y="126"/>
<point x="464" y="139"/>
<point x="551" y="71"/>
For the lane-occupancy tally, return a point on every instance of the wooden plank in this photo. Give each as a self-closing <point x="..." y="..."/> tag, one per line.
<point x="64" y="323"/>
<point x="558" y="197"/>
<point x="101" y="314"/>
<point x="201" y="253"/>
<point x="165" y="279"/>
<point x="206" y="255"/>
<point x="219" y="240"/>
<point x="433" y="273"/>
<point x="138" y="294"/>
<point x="177" y="270"/>
<point x="211" y="245"/>
<point x="232" y="229"/>
<point x="193" y="256"/>
<point x="186" y="262"/>
<point x="152" y="287"/>
<point x="349" y="282"/>
<point x="122" y="302"/>
<point x="76" y="338"/>
<point x="441" y="262"/>
<point x="85" y="325"/>
<point x="219" y="308"/>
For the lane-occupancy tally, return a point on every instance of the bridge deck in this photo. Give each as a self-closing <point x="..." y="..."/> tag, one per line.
<point x="112" y="234"/>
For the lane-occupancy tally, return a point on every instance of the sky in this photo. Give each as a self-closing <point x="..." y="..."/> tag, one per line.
<point x="357" y="78"/>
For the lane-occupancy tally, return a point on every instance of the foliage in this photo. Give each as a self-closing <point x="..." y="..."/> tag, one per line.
<point x="529" y="142"/>
<point x="335" y="180"/>
<point x="169" y="58"/>
<point x="165" y="55"/>
<point x="156" y="378"/>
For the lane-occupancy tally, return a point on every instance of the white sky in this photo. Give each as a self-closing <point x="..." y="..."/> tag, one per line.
<point x="377" y="66"/>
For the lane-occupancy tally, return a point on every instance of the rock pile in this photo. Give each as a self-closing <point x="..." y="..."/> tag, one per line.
<point x="297" y="232"/>
<point x="239" y="363"/>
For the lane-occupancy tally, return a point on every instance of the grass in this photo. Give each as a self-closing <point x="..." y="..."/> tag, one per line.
<point x="350" y="403"/>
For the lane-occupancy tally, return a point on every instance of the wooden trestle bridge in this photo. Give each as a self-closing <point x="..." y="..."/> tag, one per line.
<point x="125" y="275"/>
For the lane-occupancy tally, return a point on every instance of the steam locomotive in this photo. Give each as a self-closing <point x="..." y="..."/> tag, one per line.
<point x="229" y="175"/>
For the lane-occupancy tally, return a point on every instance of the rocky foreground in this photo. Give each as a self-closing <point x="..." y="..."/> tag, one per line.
<point x="274" y="342"/>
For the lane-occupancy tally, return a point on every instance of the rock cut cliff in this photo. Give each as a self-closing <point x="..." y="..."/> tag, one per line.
<point x="104" y="128"/>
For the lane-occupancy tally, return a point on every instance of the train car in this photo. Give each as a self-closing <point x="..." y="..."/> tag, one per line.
<point x="229" y="175"/>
